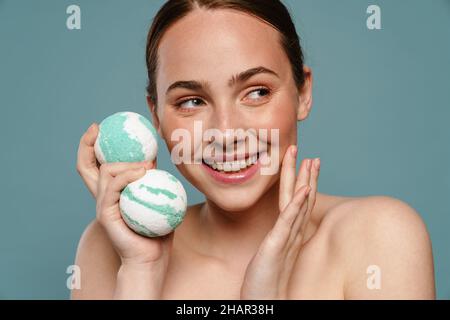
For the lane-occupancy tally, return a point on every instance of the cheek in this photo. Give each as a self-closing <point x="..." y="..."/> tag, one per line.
<point x="282" y="128"/>
<point x="176" y="129"/>
<point x="281" y="117"/>
<point x="285" y="119"/>
<point x="184" y="141"/>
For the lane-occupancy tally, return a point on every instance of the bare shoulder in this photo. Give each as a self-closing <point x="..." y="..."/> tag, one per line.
<point x="379" y="214"/>
<point x="385" y="235"/>
<point x="98" y="264"/>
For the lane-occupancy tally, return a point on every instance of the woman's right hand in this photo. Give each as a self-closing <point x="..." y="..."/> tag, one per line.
<point x="106" y="182"/>
<point x="88" y="166"/>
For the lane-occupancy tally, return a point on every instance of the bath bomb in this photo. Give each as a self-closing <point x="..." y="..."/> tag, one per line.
<point x="153" y="205"/>
<point x="126" y="137"/>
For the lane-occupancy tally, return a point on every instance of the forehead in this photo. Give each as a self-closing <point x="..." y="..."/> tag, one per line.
<point x="214" y="44"/>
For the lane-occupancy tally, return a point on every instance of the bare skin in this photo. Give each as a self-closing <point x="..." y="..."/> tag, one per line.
<point x="334" y="261"/>
<point x="311" y="245"/>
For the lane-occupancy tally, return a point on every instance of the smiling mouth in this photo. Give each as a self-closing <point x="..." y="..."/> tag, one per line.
<point x="235" y="166"/>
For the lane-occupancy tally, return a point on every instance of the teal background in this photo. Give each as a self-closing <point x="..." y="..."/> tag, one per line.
<point x="379" y="120"/>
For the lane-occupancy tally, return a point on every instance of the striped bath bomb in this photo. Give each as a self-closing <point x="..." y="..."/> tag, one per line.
<point x="153" y="205"/>
<point x="126" y="137"/>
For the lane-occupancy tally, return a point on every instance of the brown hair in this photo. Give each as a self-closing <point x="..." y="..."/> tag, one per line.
<point x="272" y="12"/>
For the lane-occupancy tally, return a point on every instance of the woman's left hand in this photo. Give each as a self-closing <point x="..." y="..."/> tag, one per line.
<point x="268" y="273"/>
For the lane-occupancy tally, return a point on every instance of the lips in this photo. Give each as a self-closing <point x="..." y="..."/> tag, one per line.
<point x="232" y="175"/>
<point x="232" y="166"/>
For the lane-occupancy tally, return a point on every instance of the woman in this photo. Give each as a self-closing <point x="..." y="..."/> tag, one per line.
<point x="239" y="64"/>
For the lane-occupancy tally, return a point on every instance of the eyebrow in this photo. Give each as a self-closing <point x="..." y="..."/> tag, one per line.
<point x="238" y="78"/>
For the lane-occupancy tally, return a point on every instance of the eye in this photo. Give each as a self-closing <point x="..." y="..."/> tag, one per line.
<point x="189" y="103"/>
<point x="254" y="93"/>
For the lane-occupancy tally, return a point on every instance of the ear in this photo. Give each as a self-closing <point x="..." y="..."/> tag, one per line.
<point x="305" y="95"/>
<point x="154" y="113"/>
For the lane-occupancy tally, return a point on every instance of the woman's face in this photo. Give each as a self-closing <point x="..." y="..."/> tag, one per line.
<point x="212" y="48"/>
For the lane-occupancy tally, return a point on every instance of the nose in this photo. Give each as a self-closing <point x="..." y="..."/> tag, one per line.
<point x="224" y="122"/>
<point x="225" y="116"/>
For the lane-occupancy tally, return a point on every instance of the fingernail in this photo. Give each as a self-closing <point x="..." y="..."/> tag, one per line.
<point x="294" y="151"/>
<point x="317" y="163"/>
<point x="92" y="126"/>
<point x="308" y="164"/>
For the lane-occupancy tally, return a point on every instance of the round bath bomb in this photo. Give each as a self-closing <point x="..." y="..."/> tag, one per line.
<point x="126" y="137"/>
<point x="153" y="205"/>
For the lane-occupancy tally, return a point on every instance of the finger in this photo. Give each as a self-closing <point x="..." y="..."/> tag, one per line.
<point x="301" y="197"/>
<point x="304" y="174"/>
<point x="301" y="221"/>
<point x="86" y="156"/>
<point x="296" y="236"/>
<point x="283" y="226"/>
<point x="303" y="179"/>
<point x="86" y="161"/>
<point x="117" y="184"/>
<point x="151" y="164"/>
<point x="314" y="179"/>
<point x="113" y="169"/>
<point x="116" y="168"/>
<point x="287" y="178"/>
<point x="103" y="180"/>
<point x="307" y="178"/>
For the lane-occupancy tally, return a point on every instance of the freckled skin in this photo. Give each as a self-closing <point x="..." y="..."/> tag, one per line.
<point x="195" y="58"/>
<point x="218" y="238"/>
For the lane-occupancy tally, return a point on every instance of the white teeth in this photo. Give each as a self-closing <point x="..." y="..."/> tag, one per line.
<point x="235" y="166"/>
<point x="229" y="166"/>
<point x="251" y="160"/>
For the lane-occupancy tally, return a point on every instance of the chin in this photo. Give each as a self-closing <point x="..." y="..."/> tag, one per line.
<point x="233" y="200"/>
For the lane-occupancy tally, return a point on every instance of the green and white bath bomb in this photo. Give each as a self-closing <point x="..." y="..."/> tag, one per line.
<point x="126" y="137"/>
<point x="153" y="205"/>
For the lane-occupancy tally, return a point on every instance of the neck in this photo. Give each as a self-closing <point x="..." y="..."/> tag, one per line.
<point x="236" y="236"/>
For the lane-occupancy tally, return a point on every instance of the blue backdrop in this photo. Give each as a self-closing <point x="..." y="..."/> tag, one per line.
<point x="379" y="121"/>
